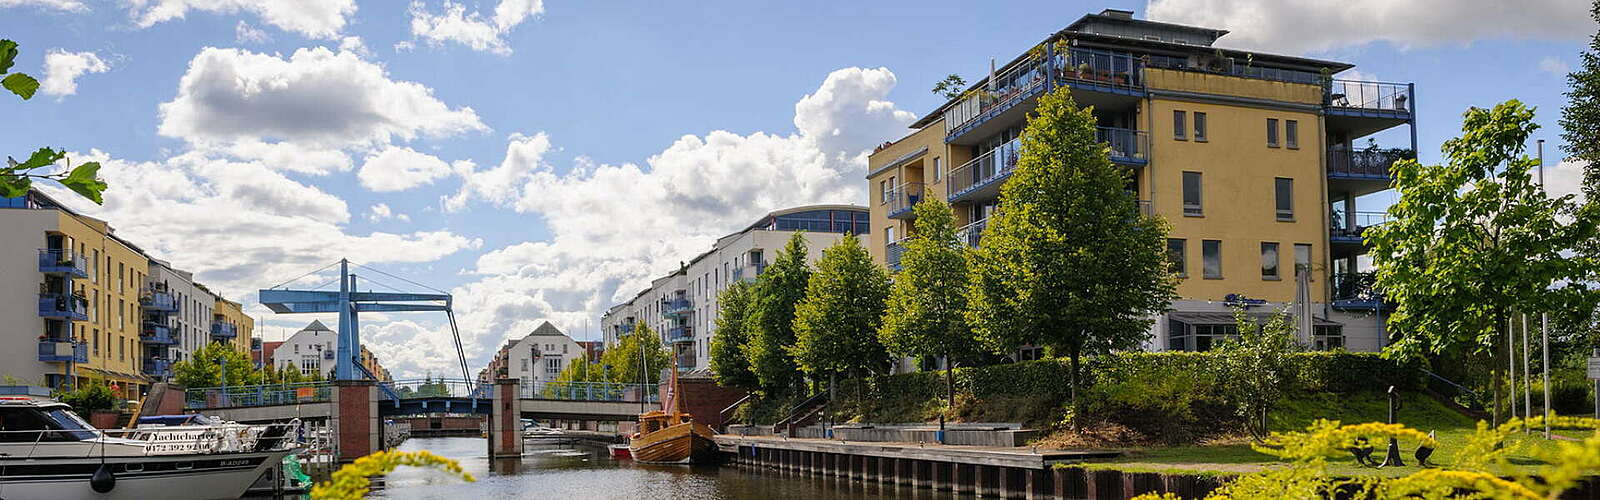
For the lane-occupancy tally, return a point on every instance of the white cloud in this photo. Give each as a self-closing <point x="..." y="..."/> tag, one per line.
<point x="381" y="212"/>
<point x="315" y="19"/>
<point x="62" y="69"/>
<point x="316" y="99"/>
<point x="62" y="5"/>
<point x="287" y="156"/>
<point x="400" y="168"/>
<point x="1313" y="26"/>
<point x="404" y="46"/>
<point x="481" y="33"/>
<point x="614" y="227"/>
<point x="245" y="33"/>
<point x="241" y="226"/>
<point x="1554" y="66"/>
<point x="356" y="45"/>
<point x="1564" y="178"/>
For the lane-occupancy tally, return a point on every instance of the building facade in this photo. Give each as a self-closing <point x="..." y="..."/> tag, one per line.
<point x="1255" y="160"/>
<point x="309" y="351"/>
<point x="230" y="325"/>
<point x="539" y="356"/>
<point x="189" y="325"/>
<point x="681" y="307"/>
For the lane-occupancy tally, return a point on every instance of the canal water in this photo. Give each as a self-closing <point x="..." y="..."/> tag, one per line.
<point x="572" y="472"/>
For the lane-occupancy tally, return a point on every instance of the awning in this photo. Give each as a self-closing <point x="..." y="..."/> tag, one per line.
<point x="109" y="373"/>
<point x="1223" y="318"/>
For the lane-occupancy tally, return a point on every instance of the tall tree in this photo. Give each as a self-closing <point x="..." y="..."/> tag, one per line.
<point x="771" y="321"/>
<point x="928" y="296"/>
<point x="638" y="357"/>
<point x="1581" y="116"/>
<point x="1068" y="261"/>
<point x="728" y="361"/>
<point x="835" y="324"/>
<point x="16" y="177"/>
<point x="205" y="367"/>
<point x="1256" y="364"/>
<point x="1472" y="240"/>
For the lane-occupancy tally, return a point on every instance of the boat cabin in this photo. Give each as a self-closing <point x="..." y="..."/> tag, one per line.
<point x="28" y="420"/>
<point x="656" y="420"/>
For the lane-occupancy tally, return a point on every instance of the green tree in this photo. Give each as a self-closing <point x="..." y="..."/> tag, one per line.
<point x="582" y="371"/>
<point x="836" y="322"/>
<point x="1067" y="261"/>
<point x="627" y="365"/>
<point x="92" y="396"/>
<point x="771" y="320"/>
<point x="1581" y="117"/>
<point x="728" y="361"/>
<point x="204" y="368"/>
<point x="16" y="177"/>
<point x="1472" y="240"/>
<point x="950" y="87"/>
<point x="1257" y="365"/>
<point x="928" y="296"/>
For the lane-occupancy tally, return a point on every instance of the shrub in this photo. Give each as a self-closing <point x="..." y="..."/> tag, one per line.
<point x="89" y="397"/>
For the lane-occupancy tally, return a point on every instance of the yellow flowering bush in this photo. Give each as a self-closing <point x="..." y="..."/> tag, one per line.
<point x="350" y="482"/>
<point x="1481" y="469"/>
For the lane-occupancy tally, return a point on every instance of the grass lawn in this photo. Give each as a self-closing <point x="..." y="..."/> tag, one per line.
<point x="1420" y="412"/>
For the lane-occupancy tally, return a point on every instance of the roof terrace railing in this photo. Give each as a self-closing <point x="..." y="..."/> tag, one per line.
<point x="1370" y="96"/>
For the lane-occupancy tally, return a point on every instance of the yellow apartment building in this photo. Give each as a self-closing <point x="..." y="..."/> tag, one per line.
<point x="231" y="326"/>
<point x="1255" y="160"/>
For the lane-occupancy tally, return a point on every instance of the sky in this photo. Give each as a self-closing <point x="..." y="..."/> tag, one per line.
<point x="542" y="161"/>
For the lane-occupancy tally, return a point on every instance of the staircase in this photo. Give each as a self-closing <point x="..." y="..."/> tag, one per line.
<point x="806" y="413"/>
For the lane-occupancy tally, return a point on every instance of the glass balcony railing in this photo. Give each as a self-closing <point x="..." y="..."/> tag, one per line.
<point x="1359" y="96"/>
<point x="902" y="199"/>
<point x="159" y="301"/>
<point x="223" y="330"/>
<point x="674" y="307"/>
<point x="683" y="333"/>
<point x="972" y="233"/>
<point x="63" y="351"/>
<point x="1342" y="229"/>
<point x="1094" y="69"/>
<point x="1127" y="146"/>
<point x="157" y="334"/>
<point x="63" y="261"/>
<point x="157" y="367"/>
<point x="1372" y="162"/>
<point x="63" y="306"/>
<point x="892" y="253"/>
<point x="986" y="169"/>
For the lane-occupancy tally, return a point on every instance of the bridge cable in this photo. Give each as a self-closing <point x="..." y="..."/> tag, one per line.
<point x="460" y="353"/>
<point x="400" y="278"/>
<point x="297" y="278"/>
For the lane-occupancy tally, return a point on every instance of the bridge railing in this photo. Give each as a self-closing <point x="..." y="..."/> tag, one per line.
<point x="591" y="391"/>
<point x="257" y="395"/>
<point x="424" y="388"/>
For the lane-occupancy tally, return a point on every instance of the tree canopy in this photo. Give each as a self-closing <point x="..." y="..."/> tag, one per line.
<point x="771" y="321"/>
<point x="16" y="177"/>
<point x="836" y="322"/>
<point x="204" y="368"/>
<point x="924" y="313"/>
<point x="623" y="361"/>
<point x="728" y="360"/>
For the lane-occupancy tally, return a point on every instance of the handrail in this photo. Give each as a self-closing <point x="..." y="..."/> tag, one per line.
<point x="809" y="403"/>
<point x="1474" y="394"/>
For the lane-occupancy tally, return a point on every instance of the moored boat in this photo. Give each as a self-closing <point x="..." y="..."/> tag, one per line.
<point x="672" y="438"/>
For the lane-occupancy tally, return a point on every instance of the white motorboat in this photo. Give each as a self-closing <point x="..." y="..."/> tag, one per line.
<point x="48" y="452"/>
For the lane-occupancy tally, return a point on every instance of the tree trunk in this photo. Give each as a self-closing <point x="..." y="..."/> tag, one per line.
<point x="949" y="383"/>
<point x="1076" y="413"/>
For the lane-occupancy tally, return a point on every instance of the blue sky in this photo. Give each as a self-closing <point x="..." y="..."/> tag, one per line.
<point x="543" y="160"/>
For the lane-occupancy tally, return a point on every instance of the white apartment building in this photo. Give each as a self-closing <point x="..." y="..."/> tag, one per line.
<point x="681" y="307"/>
<point x="310" y="350"/>
<point x="190" y="326"/>
<point x="541" y="355"/>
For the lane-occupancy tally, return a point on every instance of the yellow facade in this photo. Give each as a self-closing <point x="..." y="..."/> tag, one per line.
<point x="232" y="313"/>
<point x="116" y="274"/>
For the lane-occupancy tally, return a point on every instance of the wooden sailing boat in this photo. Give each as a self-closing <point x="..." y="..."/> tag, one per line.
<point x="671" y="436"/>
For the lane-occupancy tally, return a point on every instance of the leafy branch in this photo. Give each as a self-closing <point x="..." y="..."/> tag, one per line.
<point x="16" y="178"/>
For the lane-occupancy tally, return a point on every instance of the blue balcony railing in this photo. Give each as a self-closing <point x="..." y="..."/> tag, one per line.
<point x="157" y="335"/>
<point x="1128" y="147"/>
<point x="683" y="333"/>
<point x="1088" y="69"/>
<point x="675" y="307"/>
<point x="157" y="367"/>
<point x="159" y="301"/>
<point x="892" y="253"/>
<point x="224" y="330"/>
<point x="1370" y="163"/>
<point x="63" y="261"/>
<point x="902" y="199"/>
<point x="63" y="306"/>
<point x="63" y="351"/>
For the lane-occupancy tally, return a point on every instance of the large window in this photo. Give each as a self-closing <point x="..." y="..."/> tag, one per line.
<point x="1179" y="127"/>
<point x="1272" y="132"/>
<point x="1283" y="190"/>
<point x="1211" y="254"/>
<point x="1269" y="261"/>
<point x="1176" y="256"/>
<point x="1199" y="126"/>
<point x="552" y="365"/>
<point x="1191" y="194"/>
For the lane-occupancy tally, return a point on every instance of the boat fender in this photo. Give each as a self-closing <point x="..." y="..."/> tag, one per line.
<point x="103" y="480"/>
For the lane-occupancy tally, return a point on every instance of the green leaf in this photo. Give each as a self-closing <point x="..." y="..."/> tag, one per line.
<point x="42" y="157"/>
<point x="84" y="181"/>
<point x="8" y="55"/>
<point x="20" y="84"/>
<point x="13" y="186"/>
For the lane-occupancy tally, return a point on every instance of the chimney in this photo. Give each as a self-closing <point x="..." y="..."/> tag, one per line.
<point x="1117" y="14"/>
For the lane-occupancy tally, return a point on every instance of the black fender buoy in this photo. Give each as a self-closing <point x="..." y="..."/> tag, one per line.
<point x="103" y="481"/>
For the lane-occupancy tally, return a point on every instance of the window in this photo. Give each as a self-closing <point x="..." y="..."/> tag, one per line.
<point x="552" y="366"/>
<point x="883" y="191"/>
<point x="1269" y="261"/>
<point x="524" y="364"/>
<point x="1178" y="125"/>
<point x="1191" y="194"/>
<point x="1291" y="133"/>
<point x="94" y="266"/>
<point x="1211" y="255"/>
<point x="1302" y="257"/>
<point x="1175" y="256"/>
<point x="1284" y="191"/>
<point x="1199" y="127"/>
<point x="1272" y="132"/>
<point x="888" y="233"/>
<point x="938" y="169"/>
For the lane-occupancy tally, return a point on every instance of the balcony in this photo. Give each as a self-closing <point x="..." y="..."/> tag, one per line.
<point x="892" y="253"/>
<point x="676" y="307"/>
<point x="1363" y="171"/>
<point x="1128" y="147"/>
<point x="1358" y="108"/>
<point x="63" y="261"/>
<point x="63" y="306"/>
<point x="154" y="334"/>
<point x="980" y="178"/>
<point x="1099" y="78"/>
<point x="680" y="334"/>
<point x="903" y="199"/>
<point x="63" y="351"/>
<point x="1345" y="230"/>
<point x="223" y="330"/>
<point x="157" y="367"/>
<point x="327" y="354"/>
<point x="158" y="301"/>
<point x="971" y="234"/>
<point x="1357" y="292"/>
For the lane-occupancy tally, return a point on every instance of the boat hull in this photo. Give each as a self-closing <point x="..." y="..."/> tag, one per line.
<point x="185" y="477"/>
<point x="685" y="443"/>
